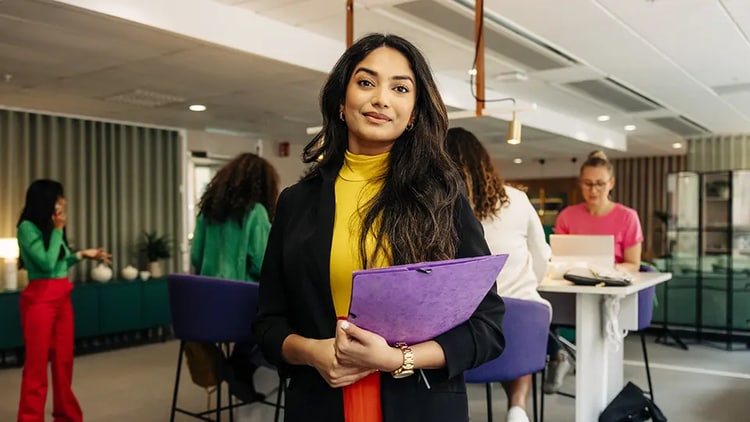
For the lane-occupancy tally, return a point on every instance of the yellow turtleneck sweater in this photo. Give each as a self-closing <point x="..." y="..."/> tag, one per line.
<point x="359" y="180"/>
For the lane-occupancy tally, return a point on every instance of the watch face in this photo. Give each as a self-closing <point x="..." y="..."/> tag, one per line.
<point x="403" y="374"/>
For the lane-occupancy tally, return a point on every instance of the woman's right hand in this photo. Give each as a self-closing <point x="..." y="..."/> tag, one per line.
<point x="59" y="217"/>
<point x="323" y="358"/>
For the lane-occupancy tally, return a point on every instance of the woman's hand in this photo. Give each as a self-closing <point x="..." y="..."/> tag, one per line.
<point x="98" y="254"/>
<point x="60" y="216"/>
<point x="323" y="358"/>
<point x="358" y="347"/>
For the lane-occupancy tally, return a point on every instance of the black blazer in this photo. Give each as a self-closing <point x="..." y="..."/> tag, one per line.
<point x="295" y="297"/>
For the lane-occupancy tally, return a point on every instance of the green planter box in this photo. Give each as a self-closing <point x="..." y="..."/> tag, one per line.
<point x="10" y="321"/>
<point x="156" y="311"/>
<point x="121" y="306"/>
<point x="85" y="298"/>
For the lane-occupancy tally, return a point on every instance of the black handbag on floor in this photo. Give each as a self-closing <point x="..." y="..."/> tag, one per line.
<point x="631" y="405"/>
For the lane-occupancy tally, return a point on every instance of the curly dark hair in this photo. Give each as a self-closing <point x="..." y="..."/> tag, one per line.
<point x="414" y="209"/>
<point x="485" y="187"/>
<point x="240" y="184"/>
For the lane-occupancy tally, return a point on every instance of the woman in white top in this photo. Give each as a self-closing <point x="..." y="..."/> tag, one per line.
<point x="512" y="226"/>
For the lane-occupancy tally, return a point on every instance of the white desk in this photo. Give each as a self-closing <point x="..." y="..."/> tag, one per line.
<point x="598" y="366"/>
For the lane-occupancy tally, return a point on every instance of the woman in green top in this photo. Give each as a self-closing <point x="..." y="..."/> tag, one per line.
<point x="46" y="310"/>
<point x="229" y="242"/>
<point x="234" y="219"/>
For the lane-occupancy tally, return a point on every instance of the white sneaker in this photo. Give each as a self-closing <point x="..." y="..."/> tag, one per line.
<point x="517" y="414"/>
<point x="556" y="372"/>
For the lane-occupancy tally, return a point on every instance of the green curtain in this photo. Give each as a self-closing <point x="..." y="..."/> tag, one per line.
<point x="119" y="179"/>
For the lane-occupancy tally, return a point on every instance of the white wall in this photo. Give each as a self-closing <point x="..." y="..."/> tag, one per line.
<point x="290" y="168"/>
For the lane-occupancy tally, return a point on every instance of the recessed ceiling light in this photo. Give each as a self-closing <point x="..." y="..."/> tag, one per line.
<point x="197" y="107"/>
<point x="512" y="76"/>
<point x="677" y="145"/>
<point x="517" y="161"/>
<point x="603" y="118"/>
<point x="630" y="128"/>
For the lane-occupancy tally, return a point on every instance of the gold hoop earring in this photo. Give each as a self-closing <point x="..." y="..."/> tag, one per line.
<point x="341" y="115"/>
<point x="410" y="126"/>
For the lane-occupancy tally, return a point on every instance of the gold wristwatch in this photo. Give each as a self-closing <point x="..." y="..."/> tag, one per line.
<point x="407" y="368"/>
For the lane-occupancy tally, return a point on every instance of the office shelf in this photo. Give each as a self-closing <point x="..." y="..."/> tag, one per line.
<point x="708" y="246"/>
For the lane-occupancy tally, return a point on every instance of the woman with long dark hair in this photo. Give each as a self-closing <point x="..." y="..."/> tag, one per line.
<point x="46" y="310"/>
<point x="382" y="191"/>
<point x="511" y="226"/>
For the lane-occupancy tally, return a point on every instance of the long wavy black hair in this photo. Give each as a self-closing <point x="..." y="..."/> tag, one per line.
<point x="41" y="197"/>
<point x="240" y="184"/>
<point x="414" y="209"/>
<point x="485" y="187"/>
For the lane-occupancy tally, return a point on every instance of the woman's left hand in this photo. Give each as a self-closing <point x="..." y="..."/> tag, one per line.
<point x="98" y="254"/>
<point x="361" y="348"/>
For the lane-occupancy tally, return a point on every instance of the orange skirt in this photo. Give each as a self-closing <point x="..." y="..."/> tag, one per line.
<point x="362" y="400"/>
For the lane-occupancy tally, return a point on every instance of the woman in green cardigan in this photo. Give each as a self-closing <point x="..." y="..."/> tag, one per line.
<point x="229" y="242"/>
<point x="46" y="309"/>
<point x="234" y="219"/>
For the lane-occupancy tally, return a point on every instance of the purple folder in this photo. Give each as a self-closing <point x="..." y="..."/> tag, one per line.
<point x="417" y="302"/>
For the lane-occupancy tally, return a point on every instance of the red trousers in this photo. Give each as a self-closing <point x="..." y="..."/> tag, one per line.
<point x="47" y="322"/>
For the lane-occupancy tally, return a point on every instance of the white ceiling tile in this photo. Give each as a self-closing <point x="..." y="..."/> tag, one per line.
<point x="740" y="13"/>
<point x="692" y="33"/>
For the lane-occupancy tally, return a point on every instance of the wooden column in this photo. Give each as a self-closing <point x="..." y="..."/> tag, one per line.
<point x="479" y="40"/>
<point x="349" y="23"/>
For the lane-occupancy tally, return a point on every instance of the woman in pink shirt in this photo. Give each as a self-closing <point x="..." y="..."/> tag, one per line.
<point x="598" y="214"/>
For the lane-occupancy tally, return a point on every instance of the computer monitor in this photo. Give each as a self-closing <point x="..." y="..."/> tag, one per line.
<point x="598" y="250"/>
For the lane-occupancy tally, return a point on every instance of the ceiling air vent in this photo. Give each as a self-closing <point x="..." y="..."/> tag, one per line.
<point x="610" y="92"/>
<point x="732" y="89"/>
<point x="527" y="52"/>
<point x="144" y="98"/>
<point x="679" y="125"/>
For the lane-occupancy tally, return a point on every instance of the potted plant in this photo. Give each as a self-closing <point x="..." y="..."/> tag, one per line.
<point x="155" y="248"/>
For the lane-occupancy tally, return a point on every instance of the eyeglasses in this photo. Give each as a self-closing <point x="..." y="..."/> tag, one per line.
<point x="598" y="185"/>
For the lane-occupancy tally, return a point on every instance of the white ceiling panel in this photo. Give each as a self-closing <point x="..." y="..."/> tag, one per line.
<point x="597" y="38"/>
<point x="740" y="14"/>
<point x="726" y="48"/>
<point x="741" y="100"/>
<point x="299" y="13"/>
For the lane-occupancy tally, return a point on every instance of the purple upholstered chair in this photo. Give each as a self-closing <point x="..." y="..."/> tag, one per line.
<point x="525" y="326"/>
<point x="212" y="310"/>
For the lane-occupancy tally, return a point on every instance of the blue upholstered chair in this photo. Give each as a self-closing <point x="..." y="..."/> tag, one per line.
<point x="212" y="310"/>
<point x="525" y="325"/>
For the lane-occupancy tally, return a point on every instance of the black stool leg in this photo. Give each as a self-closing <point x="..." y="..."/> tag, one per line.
<point x="218" y="387"/>
<point x="488" y="389"/>
<point x="227" y="353"/>
<point x="231" y="404"/>
<point x="541" y="399"/>
<point x="282" y="388"/>
<point x="533" y="394"/>
<point x="176" y="382"/>
<point x="648" y="368"/>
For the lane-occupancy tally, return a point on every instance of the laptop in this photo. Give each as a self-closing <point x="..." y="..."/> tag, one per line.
<point x="583" y="250"/>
